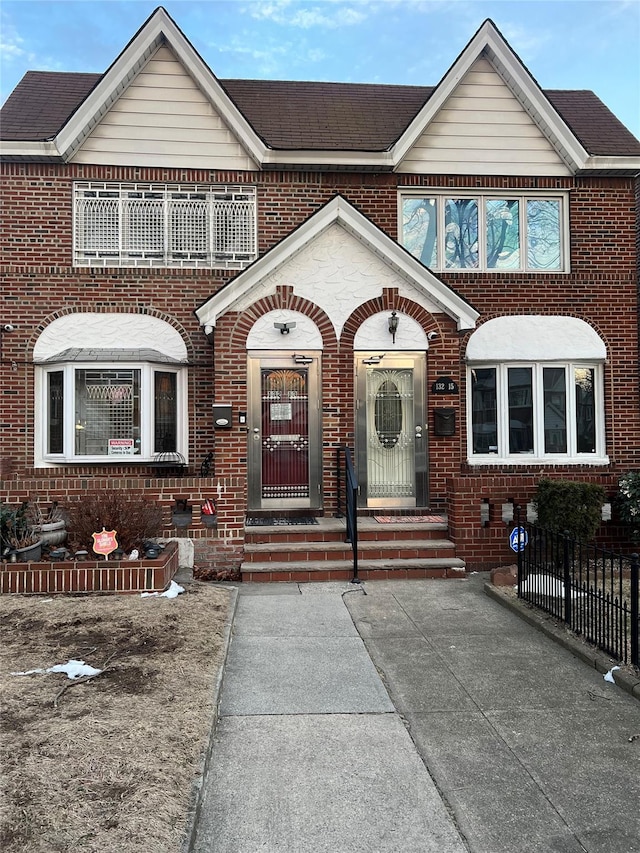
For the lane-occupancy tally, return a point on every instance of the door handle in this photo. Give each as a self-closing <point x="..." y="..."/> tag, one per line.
<point x="418" y="431"/>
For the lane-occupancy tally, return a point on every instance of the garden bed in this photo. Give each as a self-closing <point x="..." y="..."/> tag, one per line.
<point x="106" y="576"/>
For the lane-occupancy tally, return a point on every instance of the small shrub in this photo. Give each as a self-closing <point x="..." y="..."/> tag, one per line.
<point x="133" y="519"/>
<point x="628" y="503"/>
<point x="571" y="506"/>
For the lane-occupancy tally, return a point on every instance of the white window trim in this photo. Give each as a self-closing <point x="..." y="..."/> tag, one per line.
<point x="43" y="459"/>
<point x="571" y="457"/>
<point x="236" y="261"/>
<point x="522" y="196"/>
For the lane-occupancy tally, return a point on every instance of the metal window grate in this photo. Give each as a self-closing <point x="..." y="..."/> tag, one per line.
<point x="157" y="225"/>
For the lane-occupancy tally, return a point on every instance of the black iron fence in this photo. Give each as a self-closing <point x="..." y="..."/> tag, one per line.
<point x="592" y="590"/>
<point x="347" y="501"/>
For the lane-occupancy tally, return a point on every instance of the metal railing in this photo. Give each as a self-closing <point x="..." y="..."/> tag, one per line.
<point x="592" y="590"/>
<point x="347" y="501"/>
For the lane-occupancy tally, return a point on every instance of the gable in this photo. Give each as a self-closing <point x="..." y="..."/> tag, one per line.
<point x="338" y="259"/>
<point x="482" y="129"/>
<point x="163" y="119"/>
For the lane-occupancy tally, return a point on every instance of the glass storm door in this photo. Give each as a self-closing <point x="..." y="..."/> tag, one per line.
<point x="284" y="445"/>
<point x="391" y="430"/>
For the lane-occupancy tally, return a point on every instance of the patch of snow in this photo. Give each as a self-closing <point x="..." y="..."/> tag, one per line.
<point x="173" y="592"/>
<point x="547" y="585"/>
<point x="608" y="676"/>
<point x="73" y="669"/>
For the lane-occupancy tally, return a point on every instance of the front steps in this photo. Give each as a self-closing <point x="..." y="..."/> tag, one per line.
<point x="302" y="553"/>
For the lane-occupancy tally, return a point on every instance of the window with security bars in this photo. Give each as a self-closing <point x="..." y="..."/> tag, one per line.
<point x="112" y="411"/>
<point x="158" y="225"/>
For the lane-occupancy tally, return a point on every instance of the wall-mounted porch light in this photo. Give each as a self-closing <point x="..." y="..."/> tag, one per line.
<point x="393" y="325"/>
<point x="284" y="328"/>
<point x="485" y="511"/>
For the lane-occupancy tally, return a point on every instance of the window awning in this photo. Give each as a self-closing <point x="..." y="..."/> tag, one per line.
<point x="531" y="337"/>
<point x="107" y="355"/>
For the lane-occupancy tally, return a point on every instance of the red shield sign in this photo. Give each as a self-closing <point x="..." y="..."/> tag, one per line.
<point x="104" y="542"/>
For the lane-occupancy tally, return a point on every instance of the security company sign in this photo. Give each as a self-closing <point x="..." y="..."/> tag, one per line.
<point x="518" y="539"/>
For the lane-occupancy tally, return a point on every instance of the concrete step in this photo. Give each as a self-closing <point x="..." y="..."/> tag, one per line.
<point x="330" y="570"/>
<point x="333" y="530"/>
<point x="305" y="551"/>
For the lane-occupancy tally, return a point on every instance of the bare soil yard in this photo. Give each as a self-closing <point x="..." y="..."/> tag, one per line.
<point x="108" y="764"/>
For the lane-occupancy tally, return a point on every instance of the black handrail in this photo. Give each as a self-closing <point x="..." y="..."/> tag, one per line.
<point x="347" y="480"/>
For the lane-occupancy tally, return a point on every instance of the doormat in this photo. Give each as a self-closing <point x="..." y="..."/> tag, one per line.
<point x="280" y="522"/>
<point x="409" y="519"/>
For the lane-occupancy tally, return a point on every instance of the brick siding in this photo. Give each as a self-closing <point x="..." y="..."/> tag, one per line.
<point x="39" y="284"/>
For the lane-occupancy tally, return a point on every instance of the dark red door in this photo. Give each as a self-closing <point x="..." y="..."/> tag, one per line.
<point x="285" y="433"/>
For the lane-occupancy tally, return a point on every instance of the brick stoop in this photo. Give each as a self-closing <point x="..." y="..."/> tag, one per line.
<point x="302" y="553"/>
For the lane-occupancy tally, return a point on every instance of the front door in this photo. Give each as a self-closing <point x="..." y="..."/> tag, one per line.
<point x="285" y="445"/>
<point x="391" y="441"/>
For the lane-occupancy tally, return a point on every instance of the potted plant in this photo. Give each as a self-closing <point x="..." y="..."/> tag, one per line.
<point x="51" y="523"/>
<point x="21" y="542"/>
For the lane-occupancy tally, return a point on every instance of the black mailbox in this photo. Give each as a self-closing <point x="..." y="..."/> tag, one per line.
<point x="222" y="416"/>
<point x="444" y="421"/>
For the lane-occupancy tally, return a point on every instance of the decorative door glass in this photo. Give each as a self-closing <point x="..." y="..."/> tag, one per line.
<point x="285" y="433"/>
<point x="390" y="433"/>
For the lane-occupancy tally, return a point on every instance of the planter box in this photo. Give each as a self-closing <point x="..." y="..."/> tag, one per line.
<point x="98" y="576"/>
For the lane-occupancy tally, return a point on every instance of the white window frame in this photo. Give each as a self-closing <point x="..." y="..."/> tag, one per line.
<point x="215" y="197"/>
<point x="538" y="456"/>
<point x="522" y="196"/>
<point x="147" y="371"/>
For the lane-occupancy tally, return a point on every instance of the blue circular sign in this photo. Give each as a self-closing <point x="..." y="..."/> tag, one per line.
<point x="518" y="539"/>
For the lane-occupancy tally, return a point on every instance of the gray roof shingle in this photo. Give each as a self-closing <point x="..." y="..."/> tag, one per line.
<point x="290" y="115"/>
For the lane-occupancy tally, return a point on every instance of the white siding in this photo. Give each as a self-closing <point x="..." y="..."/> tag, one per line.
<point x="163" y="119"/>
<point x="482" y="129"/>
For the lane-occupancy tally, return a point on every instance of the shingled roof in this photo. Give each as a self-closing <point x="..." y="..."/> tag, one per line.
<point x="289" y="115"/>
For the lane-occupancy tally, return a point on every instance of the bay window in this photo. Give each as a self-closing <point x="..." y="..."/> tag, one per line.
<point x="97" y="412"/>
<point x="497" y="231"/>
<point x="524" y="412"/>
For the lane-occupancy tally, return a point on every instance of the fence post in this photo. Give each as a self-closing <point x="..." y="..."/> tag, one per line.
<point x="635" y="627"/>
<point x="520" y="554"/>
<point x="567" y="577"/>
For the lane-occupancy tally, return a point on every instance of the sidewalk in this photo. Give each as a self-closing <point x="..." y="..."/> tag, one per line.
<point x="528" y="747"/>
<point x="309" y="755"/>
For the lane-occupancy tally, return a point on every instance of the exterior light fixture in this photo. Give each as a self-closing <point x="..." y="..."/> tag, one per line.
<point x="485" y="509"/>
<point x="393" y="325"/>
<point x="284" y="328"/>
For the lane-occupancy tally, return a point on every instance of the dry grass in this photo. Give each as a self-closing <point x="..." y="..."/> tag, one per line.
<point x="112" y="767"/>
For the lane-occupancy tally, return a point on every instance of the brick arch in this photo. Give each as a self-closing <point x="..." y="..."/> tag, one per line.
<point x="284" y="298"/>
<point x="389" y="301"/>
<point x="147" y="311"/>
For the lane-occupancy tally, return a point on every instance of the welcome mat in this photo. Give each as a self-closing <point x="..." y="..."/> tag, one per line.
<point x="409" y="519"/>
<point x="271" y="521"/>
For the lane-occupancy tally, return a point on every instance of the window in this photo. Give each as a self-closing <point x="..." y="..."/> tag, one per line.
<point x="492" y="231"/>
<point x="546" y="412"/>
<point x="116" y="412"/>
<point x="155" y="225"/>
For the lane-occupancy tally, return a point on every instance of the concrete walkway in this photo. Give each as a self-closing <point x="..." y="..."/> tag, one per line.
<point x="309" y="754"/>
<point x="528" y="747"/>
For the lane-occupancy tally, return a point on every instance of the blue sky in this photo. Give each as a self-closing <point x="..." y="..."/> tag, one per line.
<point x="566" y="44"/>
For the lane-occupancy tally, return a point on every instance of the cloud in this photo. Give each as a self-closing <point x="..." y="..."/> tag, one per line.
<point x="307" y="16"/>
<point x="11" y="44"/>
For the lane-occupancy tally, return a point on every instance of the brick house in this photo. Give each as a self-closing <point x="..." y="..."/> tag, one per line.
<point x="215" y="284"/>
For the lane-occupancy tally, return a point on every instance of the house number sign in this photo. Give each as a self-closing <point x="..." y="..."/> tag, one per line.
<point x="444" y="385"/>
